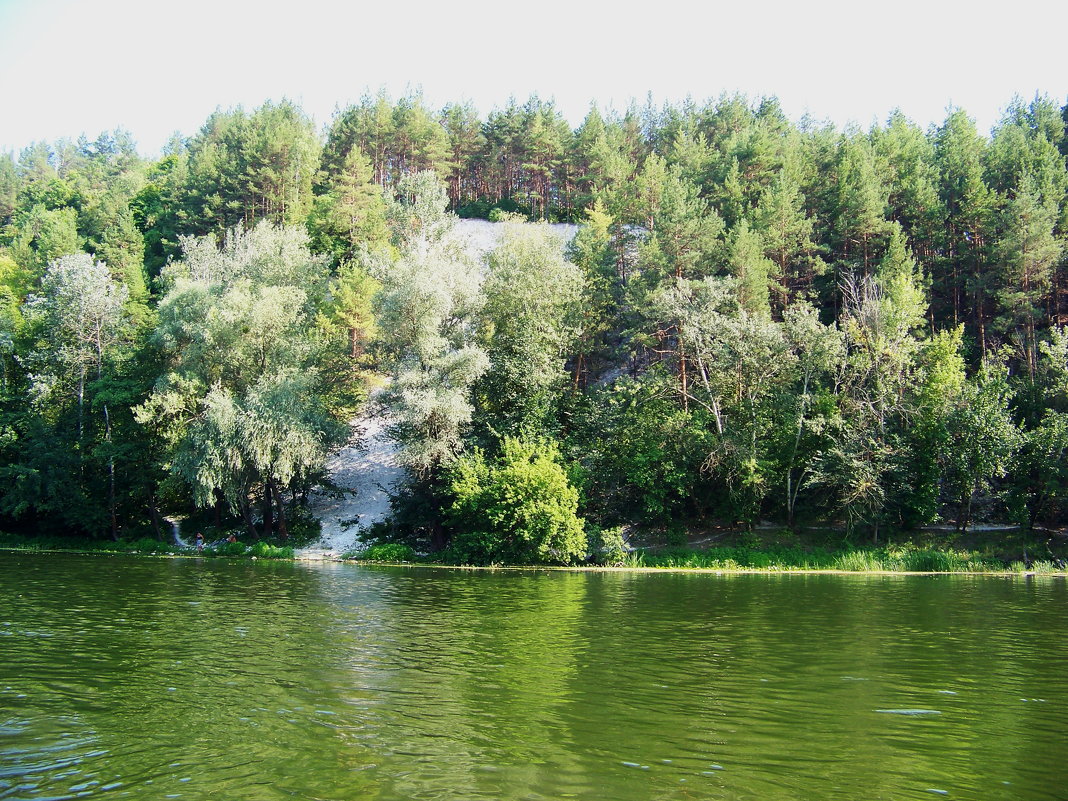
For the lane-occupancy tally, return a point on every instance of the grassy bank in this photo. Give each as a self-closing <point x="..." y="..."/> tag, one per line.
<point x="1011" y="552"/>
<point x="998" y="551"/>
<point x="145" y="547"/>
<point x="869" y="560"/>
<point x="727" y="559"/>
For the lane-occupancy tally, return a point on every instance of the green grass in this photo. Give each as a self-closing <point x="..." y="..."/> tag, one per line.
<point x="145" y="545"/>
<point x="259" y="550"/>
<point x="384" y="552"/>
<point x="854" y="560"/>
<point x="1038" y="567"/>
<point x="15" y="542"/>
<point x="749" y="555"/>
<point x="858" y="561"/>
<point x="734" y="558"/>
<point x="264" y="550"/>
<point x="781" y="558"/>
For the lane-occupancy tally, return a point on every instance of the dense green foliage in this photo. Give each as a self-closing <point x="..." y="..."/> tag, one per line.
<point x="757" y="320"/>
<point x="517" y="508"/>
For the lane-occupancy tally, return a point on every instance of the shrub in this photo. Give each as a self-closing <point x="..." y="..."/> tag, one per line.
<point x="387" y="552"/>
<point x="860" y="561"/>
<point x="517" y="508"/>
<point x="478" y="209"/>
<point x="643" y="456"/>
<point x="150" y="545"/>
<point x="608" y="546"/>
<point x="229" y="549"/>
<point x="263" y="550"/>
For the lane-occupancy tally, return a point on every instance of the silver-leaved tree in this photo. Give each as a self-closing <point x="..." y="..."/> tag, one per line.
<point x="242" y="404"/>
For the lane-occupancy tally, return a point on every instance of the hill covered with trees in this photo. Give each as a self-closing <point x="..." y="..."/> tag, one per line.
<point x="758" y="319"/>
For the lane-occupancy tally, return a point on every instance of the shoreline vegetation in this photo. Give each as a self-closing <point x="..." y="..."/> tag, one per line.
<point x="773" y="550"/>
<point x="749" y="319"/>
<point x="1010" y="553"/>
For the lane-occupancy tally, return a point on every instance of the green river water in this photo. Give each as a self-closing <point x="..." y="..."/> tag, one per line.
<point x="184" y="678"/>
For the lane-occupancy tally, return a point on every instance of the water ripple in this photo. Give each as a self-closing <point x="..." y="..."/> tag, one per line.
<point x="200" y="679"/>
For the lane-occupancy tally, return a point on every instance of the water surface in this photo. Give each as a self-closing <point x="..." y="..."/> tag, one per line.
<point x="185" y="678"/>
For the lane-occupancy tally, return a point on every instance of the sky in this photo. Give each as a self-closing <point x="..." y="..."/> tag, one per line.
<point x="69" y="67"/>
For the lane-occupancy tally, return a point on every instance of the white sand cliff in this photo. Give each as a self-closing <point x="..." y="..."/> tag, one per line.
<point x="367" y="469"/>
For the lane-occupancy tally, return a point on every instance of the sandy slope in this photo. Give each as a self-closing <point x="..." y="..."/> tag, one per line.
<point x="483" y="236"/>
<point x="369" y="467"/>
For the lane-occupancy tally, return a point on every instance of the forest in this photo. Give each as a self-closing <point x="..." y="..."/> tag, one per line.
<point x="758" y="320"/>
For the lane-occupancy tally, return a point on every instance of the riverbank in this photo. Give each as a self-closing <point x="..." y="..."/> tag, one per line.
<point x="878" y="562"/>
<point x="985" y="552"/>
<point x="992" y="549"/>
<point x="143" y="547"/>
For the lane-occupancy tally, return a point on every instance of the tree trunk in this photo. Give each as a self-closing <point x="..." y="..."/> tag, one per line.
<point x="112" y="502"/>
<point x="81" y="404"/>
<point x="268" y="513"/>
<point x="438" y="538"/>
<point x="682" y="375"/>
<point x="250" y="525"/>
<point x="153" y="513"/>
<point x="791" y="494"/>
<point x="579" y="364"/>
<point x="283" y="528"/>
<point x="789" y="499"/>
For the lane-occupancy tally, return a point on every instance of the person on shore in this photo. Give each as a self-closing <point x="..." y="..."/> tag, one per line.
<point x="232" y="537"/>
<point x="200" y="542"/>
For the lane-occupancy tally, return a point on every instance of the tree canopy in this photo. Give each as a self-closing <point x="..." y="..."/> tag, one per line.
<point x="755" y="319"/>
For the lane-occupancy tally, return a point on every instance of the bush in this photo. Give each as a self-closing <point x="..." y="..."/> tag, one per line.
<point x="150" y="545"/>
<point x="386" y="552"/>
<point x="518" y="508"/>
<point x="476" y="209"/>
<point x="642" y="455"/>
<point x="608" y="546"/>
<point x="263" y="550"/>
<point x="228" y="549"/>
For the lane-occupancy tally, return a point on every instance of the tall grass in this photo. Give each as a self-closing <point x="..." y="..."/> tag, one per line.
<point x="147" y="546"/>
<point x="57" y="543"/>
<point x="733" y="558"/>
<point x="857" y="560"/>
<point x="259" y="550"/>
<point x="263" y="550"/>
<point x="384" y="552"/>
<point x="1036" y="567"/>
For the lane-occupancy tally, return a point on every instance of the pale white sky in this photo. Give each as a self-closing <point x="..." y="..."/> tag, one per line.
<point x="68" y="67"/>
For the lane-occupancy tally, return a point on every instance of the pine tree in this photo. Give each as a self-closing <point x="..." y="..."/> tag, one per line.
<point x="350" y="214"/>
<point x="908" y="156"/>
<point x="965" y="272"/>
<point x="1028" y="251"/>
<point x="685" y="232"/>
<point x="787" y="233"/>
<point x="751" y="269"/>
<point x="862" y="197"/>
<point x="466" y="174"/>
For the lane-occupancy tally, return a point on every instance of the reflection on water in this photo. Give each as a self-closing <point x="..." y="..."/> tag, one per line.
<point x="195" y="678"/>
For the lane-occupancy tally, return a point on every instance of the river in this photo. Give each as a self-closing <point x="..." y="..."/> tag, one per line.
<point x="193" y="678"/>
